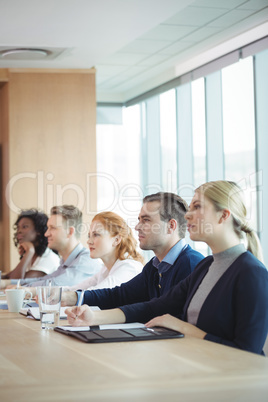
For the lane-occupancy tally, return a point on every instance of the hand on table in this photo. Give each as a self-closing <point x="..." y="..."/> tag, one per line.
<point x="12" y="287"/>
<point x="168" y="321"/>
<point x="6" y="284"/>
<point x="32" y="290"/>
<point x="80" y="316"/>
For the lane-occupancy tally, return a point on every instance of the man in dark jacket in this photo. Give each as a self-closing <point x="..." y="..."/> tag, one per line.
<point x="162" y="229"/>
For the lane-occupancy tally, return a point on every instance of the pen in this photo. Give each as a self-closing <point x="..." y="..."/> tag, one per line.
<point x="49" y="285"/>
<point x="80" y="300"/>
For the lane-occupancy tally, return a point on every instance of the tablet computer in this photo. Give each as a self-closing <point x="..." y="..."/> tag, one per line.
<point x="120" y="333"/>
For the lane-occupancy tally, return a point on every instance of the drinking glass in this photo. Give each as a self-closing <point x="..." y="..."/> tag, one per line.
<point x="49" y="299"/>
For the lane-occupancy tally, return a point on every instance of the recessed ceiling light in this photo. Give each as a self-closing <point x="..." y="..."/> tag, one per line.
<point x="24" y="54"/>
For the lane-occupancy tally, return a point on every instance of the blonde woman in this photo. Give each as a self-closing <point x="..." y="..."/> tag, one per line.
<point x="225" y="299"/>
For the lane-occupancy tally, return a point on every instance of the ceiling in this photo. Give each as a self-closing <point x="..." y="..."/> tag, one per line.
<point x="134" y="45"/>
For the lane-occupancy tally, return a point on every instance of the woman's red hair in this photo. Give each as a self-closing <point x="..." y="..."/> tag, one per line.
<point x="116" y="226"/>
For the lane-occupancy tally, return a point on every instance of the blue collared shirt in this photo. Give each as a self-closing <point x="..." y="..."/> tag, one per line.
<point x="75" y="269"/>
<point x="170" y="258"/>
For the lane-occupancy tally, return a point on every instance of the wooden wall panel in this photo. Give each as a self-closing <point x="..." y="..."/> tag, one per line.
<point x="5" y="240"/>
<point x="52" y="142"/>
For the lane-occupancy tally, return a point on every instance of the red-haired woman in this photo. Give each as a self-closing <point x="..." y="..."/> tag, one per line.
<point x="111" y="240"/>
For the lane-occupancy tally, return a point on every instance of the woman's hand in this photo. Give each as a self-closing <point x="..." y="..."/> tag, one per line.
<point x="80" y="316"/>
<point x="85" y="316"/>
<point x="32" y="291"/>
<point x="26" y="247"/>
<point x="168" y="321"/>
<point x="6" y="284"/>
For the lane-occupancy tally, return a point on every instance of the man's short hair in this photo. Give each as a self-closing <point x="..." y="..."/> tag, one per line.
<point x="172" y="206"/>
<point x="71" y="215"/>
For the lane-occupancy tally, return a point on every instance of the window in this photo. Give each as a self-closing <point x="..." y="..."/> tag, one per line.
<point x="168" y="140"/>
<point x="199" y="131"/>
<point x="118" y="146"/>
<point x="239" y="130"/>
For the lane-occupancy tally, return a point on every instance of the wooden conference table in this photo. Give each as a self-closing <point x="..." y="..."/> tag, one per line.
<point x="38" y="365"/>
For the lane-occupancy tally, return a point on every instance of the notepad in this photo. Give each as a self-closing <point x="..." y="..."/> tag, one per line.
<point x="118" y="333"/>
<point x="33" y="312"/>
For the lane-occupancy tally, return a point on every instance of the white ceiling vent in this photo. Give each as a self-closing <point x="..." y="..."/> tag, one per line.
<point x="24" y="53"/>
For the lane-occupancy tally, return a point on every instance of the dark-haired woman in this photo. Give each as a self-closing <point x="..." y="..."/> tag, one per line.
<point x="36" y="259"/>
